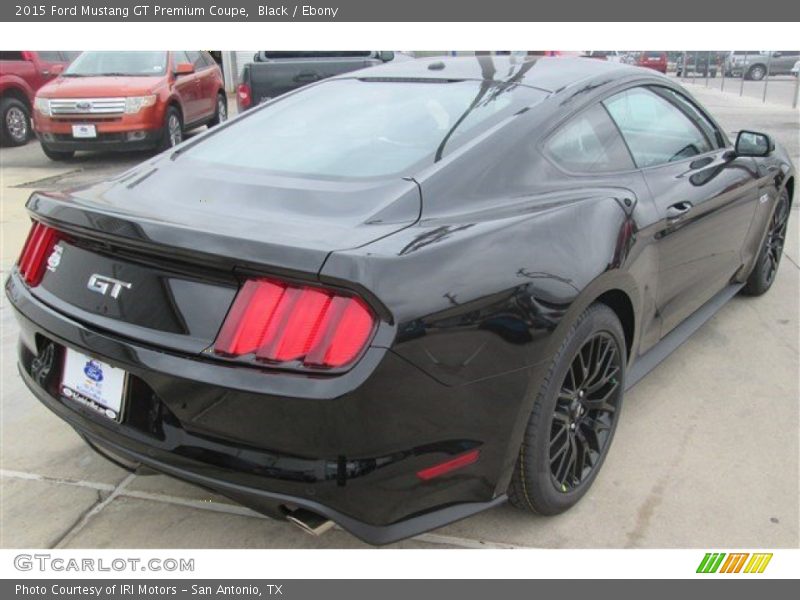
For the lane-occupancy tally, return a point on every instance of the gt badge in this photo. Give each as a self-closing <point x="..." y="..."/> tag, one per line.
<point x="107" y="286"/>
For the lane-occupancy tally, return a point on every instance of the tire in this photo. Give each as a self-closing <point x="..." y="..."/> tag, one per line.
<point x="173" y="129"/>
<point x="562" y="416"/>
<point x="769" y="257"/>
<point x="756" y="73"/>
<point x="713" y="74"/>
<point x="15" y="128"/>
<point x="221" y="112"/>
<point x="57" y="155"/>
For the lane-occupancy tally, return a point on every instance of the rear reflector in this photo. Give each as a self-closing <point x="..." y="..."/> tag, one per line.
<point x="280" y="322"/>
<point x="244" y="96"/>
<point x="37" y="248"/>
<point x="451" y="465"/>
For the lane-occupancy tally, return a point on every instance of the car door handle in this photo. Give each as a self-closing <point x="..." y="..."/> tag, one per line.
<point x="678" y="210"/>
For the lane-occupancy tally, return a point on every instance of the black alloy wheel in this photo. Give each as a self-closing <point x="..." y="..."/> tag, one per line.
<point x="776" y="237"/>
<point x="585" y="411"/>
<point x="769" y="258"/>
<point x="574" y="416"/>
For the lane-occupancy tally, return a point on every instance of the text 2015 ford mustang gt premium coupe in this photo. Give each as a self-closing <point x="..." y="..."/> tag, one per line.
<point x="400" y="296"/>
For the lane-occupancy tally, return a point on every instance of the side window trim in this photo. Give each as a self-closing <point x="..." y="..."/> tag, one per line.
<point x="718" y="138"/>
<point x="647" y="85"/>
<point x="619" y="133"/>
<point x="543" y="144"/>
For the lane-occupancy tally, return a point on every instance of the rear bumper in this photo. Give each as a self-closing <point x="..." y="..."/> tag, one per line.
<point x="104" y="142"/>
<point x="351" y="456"/>
<point x="269" y="503"/>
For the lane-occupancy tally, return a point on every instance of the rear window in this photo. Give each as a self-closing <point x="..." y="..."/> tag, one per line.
<point x="654" y="54"/>
<point x="358" y="129"/>
<point x="118" y="63"/>
<point x="272" y="54"/>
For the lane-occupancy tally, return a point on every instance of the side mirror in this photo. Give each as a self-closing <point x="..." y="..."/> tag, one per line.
<point x="386" y="55"/>
<point x="753" y="143"/>
<point x="184" y="69"/>
<point x="56" y="70"/>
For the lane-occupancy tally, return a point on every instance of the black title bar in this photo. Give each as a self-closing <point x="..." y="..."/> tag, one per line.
<point x="400" y="10"/>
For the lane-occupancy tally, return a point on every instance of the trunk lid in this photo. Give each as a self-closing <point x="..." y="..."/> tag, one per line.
<point x="177" y="232"/>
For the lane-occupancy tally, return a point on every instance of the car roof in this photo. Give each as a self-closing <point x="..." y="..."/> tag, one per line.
<point x="544" y="73"/>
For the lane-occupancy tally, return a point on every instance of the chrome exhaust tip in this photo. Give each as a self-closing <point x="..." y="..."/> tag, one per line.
<point x="308" y="521"/>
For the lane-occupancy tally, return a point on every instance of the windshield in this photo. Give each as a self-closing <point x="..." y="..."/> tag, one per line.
<point x="363" y="128"/>
<point x="138" y="64"/>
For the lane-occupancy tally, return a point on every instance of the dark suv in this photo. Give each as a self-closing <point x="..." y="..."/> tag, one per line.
<point x="700" y="63"/>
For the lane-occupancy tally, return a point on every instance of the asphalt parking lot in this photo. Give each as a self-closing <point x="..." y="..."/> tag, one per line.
<point x="706" y="453"/>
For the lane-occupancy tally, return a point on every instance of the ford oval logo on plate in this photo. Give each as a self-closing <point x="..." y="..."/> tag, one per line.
<point x="93" y="371"/>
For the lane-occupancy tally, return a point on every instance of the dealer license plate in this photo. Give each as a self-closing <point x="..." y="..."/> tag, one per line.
<point x="93" y="383"/>
<point x="84" y="131"/>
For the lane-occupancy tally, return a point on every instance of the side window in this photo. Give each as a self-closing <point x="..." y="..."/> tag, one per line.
<point x="11" y="55"/>
<point x="196" y="58"/>
<point x="656" y="131"/>
<point x="178" y="57"/>
<point x="589" y="143"/>
<point x="209" y="60"/>
<point x="48" y="56"/>
<point x="691" y="110"/>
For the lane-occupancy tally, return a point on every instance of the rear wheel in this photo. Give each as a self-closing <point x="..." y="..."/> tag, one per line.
<point x="221" y="112"/>
<point x="173" y="129"/>
<point x="574" y="416"/>
<point x="57" y="154"/>
<point x="769" y="258"/>
<point x="756" y="72"/>
<point x="16" y="125"/>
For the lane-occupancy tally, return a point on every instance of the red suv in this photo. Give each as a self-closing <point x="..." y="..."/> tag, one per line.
<point x="22" y="72"/>
<point x="653" y="60"/>
<point x="128" y="101"/>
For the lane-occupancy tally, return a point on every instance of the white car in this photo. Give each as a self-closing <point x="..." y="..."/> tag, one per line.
<point x="796" y="69"/>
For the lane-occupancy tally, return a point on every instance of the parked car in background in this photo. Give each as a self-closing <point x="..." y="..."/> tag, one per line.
<point x="550" y="53"/>
<point x="699" y="63"/>
<point x="796" y="69"/>
<point x="128" y="101"/>
<point x="656" y="60"/>
<point x="609" y="55"/>
<point x="756" y="64"/>
<point x="273" y="73"/>
<point x="22" y="72"/>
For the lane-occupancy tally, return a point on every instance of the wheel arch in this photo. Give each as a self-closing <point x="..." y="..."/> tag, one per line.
<point x="619" y="301"/>
<point x="18" y="94"/>
<point x="618" y="290"/>
<point x="175" y="102"/>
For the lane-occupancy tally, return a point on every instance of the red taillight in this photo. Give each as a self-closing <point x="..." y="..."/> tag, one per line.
<point x="244" y="95"/>
<point x="37" y="248"/>
<point x="284" y="323"/>
<point x="458" y="462"/>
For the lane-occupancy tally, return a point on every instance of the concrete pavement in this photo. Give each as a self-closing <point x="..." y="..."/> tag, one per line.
<point x="706" y="453"/>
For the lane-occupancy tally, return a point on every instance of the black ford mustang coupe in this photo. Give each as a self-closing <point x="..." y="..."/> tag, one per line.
<point x="400" y="296"/>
